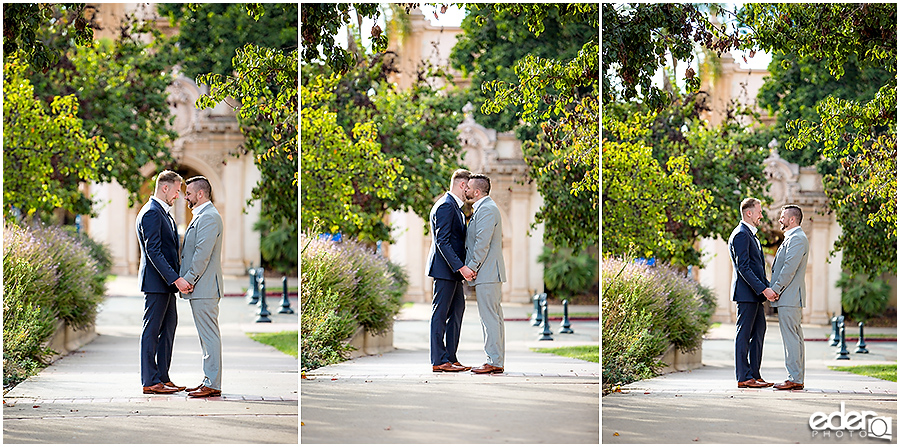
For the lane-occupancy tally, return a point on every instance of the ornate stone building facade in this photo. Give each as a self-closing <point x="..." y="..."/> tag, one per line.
<point x="204" y="146"/>
<point x="496" y="154"/>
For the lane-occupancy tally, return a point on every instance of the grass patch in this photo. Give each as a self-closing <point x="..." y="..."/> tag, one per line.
<point x="586" y="353"/>
<point x="285" y="342"/>
<point x="883" y="372"/>
<point x="407" y="304"/>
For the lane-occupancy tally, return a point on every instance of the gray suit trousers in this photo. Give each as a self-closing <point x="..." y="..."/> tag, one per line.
<point x="206" y="319"/>
<point x="488" y="297"/>
<point x="792" y="337"/>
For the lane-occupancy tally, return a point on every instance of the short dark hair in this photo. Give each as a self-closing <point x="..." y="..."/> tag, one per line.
<point x="459" y="174"/>
<point x="748" y="203"/>
<point x="482" y="183"/>
<point x="795" y="211"/>
<point x="202" y="184"/>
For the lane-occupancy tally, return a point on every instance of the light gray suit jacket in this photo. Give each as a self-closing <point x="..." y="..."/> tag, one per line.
<point x="789" y="271"/>
<point x="201" y="255"/>
<point x="484" y="244"/>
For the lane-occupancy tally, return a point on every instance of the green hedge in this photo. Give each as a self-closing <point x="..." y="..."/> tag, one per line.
<point x="644" y="310"/>
<point x="48" y="275"/>
<point x="343" y="286"/>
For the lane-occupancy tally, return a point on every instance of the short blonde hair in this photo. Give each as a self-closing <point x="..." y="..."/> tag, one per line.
<point x="168" y="176"/>
<point x="460" y="174"/>
<point x="748" y="203"/>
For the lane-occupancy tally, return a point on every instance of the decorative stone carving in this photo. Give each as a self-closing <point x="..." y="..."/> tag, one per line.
<point x="477" y="142"/>
<point x="182" y="94"/>
<point x="783" y="178"/>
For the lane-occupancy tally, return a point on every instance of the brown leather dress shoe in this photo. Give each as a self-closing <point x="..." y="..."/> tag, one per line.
<point x="466" y="368"/>
<point x="172" y="385"/>
<point x="752" y="383"/>
<point x="447" y="367"/>
<point x="487" y="368"/>
<point x="192" y="389"/>
<point x="205" y="391"/>
<point x="788" y="385"/>
<point x="159" y="388"/>
<point x="764" y="383"/>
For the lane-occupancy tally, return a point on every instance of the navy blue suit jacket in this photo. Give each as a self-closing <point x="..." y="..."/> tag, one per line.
<point x="748" y="279"/>
<point x="448" y="243"/>
<point x="159" y="249"/>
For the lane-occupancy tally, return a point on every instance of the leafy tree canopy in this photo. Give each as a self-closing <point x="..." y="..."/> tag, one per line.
<point x="37" y="180"/>
<point x="725" y="164"/>
<point x="322" y="21"/>
<point x="796" y="85"/>
<point x="23" y="21"/>
<point x="494" y="41"/>
<point x="416" y="126"/>
<point x="210" y="33"/>
<point x="121" y="87"/>
<point x="640" y="195"/>
<point x="337" y="165"/>
<point x="637" y="39"/>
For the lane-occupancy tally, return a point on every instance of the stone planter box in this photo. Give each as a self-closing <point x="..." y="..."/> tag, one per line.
<point x="66" y="339"/>
<point x="368" y="344"/>
<point x="679" y="361"/>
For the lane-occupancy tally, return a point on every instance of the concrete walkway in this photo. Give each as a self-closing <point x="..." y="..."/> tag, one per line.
<point x="395" y="398"/>
<point x="94" y="395"/>
<point x="705" y="406"/>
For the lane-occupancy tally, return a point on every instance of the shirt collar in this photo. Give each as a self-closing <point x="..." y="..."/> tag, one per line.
<point x="751" y="227"/>
<point x="459" y="202"/>
<point x="196" y="211"/>
<point x="478" y="203"/>
<point x="791" y="232"/>
<point x="165" y="205"/>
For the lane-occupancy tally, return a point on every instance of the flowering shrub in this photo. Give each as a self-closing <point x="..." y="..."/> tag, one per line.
<point x="48" y="275"/>
<point x="644" y="310"/>
<point x="343" y="285"/>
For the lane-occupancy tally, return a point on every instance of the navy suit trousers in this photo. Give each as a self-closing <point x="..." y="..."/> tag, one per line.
<point x="447" y="308"/>
<point x="748" y="342"/>
<point x="157" y="337"/>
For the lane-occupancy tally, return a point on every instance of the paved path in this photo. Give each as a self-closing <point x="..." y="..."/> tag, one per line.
<point x="395" y="398"/>
<point x="94" y="394"/>
<point x="705" y="405"/>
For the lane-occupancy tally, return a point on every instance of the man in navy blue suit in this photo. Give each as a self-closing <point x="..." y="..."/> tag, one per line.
<point x="158" y="238"/>
<point x="446" y="265"/>
<point x="749" y="289"/>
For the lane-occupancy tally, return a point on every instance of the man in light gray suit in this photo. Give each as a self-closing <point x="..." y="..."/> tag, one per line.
<point x="484" y="255"/>
<point x="789" y="283"/>
<point x="201" y="266"/>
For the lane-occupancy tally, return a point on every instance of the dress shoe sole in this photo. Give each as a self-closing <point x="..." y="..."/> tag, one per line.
<point x="207" y="395"/>
<point x="789" y="388"/>
<point x="493" y="371"/>
<point x="159" y="392"/>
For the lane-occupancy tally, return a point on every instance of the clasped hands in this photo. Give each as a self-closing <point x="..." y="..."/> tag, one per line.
<point x="468" y="273"/>
<point x="184" y="286"/>
<point x="770" y="294"/>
